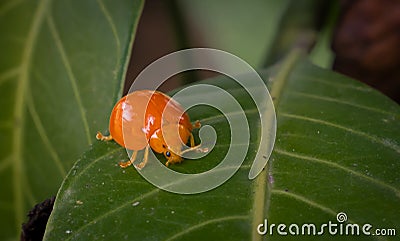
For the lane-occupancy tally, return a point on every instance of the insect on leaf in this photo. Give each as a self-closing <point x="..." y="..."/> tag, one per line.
<point x="337" y="150"/>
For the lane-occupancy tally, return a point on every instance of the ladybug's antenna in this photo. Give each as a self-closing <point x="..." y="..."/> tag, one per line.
<point x="195" y="148"/>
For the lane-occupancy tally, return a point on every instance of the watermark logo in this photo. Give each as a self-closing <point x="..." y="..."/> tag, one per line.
<point x="338" y="227"/>
<point x="205" y="94"/>
<point x="341" y="217"/>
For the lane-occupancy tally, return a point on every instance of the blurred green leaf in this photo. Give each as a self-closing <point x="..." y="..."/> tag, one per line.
<point x="61" y="70"/>
<point x="337" y="150"/>
<point x="235" y="25"/>
<point x="300" y="27"/>
<point x="322" y="54"/>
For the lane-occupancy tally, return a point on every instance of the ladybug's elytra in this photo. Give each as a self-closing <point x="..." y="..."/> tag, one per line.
<point x="135" y="123"/>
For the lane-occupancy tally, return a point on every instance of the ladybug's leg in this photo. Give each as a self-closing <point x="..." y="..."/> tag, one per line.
<point x="128" y="163"/>
<point x="191" y="138"/>
<point x="193" y="147"/>
<point x="100" y="137"/>
<point x="145" y="158"/>
<point x="196" y="124"/>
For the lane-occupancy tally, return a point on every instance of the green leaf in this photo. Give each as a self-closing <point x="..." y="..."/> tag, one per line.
<point x="337" y="150"/>
<point x="216" y="28"/>
<point x="61" y="70"/>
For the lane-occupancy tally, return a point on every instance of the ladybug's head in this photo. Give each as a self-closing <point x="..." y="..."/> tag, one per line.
<point x="175" y="137"/>
<point x="171" y="157"/>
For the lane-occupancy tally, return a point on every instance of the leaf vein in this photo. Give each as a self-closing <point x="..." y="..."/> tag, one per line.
<point x="43" y="135"/>
<point x="308" y="202"/>
<point x="208" y="222"/>
<point x="123" y="205"/>
<point x="20" y="105"/>
<point x="300" y="136"/>
<point x="304" y="200"/>
<point x="221" y="116"/>
<point x="5" y="163"/>
<point x="71" y="76"/>
<point x="339" y="85"/>
<point x="337" y="166"/>
<point x="32" y="201"/>
<point x="9" y="74"/>
<point x="114" y="31"/>
<point x="368" y="136"/>
<point x="329" y="99"/>
<point x="95" y="161"/>
<point x="9" y="6"/>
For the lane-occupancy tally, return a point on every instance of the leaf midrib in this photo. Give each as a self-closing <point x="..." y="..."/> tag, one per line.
<point x="261" y="193"/>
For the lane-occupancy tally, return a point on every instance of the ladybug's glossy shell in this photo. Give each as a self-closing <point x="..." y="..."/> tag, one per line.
<point x="138" y="115"/>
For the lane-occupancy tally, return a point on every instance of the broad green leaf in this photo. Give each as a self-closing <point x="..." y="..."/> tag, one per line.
<point x="337" y="150"/>
<point x="61" y="70"/>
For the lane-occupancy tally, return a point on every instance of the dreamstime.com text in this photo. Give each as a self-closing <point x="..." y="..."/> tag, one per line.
<point x="331" y="228"/>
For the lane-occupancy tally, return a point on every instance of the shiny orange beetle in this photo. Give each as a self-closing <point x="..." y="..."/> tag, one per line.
<point x="136" y="127"/>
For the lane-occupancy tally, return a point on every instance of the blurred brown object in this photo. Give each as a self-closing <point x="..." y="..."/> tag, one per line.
<point x="155" y="37"/>
<point x="34" y="228"/>
<point x="367" y="43"/>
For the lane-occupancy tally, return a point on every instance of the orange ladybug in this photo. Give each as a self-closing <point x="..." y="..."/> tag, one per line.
<point x="135" y="123"/>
